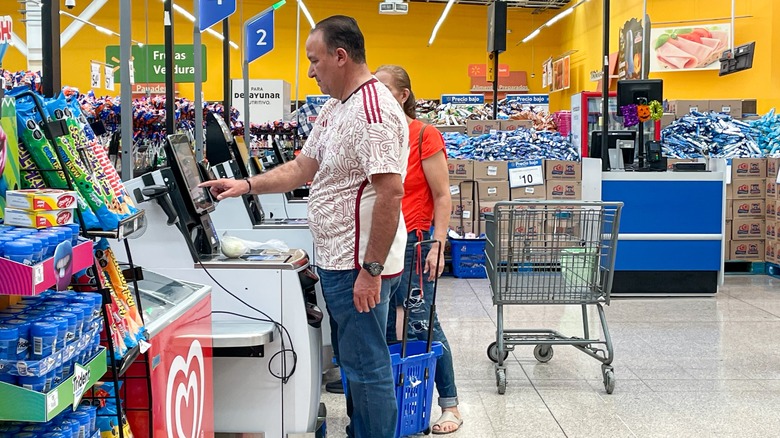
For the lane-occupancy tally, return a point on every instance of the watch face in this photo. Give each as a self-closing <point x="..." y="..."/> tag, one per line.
<point x="373" y="268"/>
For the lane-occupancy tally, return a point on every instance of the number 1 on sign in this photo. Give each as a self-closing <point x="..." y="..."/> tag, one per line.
<point x="263" y="34"/>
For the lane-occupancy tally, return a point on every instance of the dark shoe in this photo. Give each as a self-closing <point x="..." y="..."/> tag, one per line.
<point x="335" y="387"/>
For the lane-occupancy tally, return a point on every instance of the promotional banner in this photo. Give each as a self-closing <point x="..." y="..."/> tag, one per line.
<point x="630" y="43"/>
<point x="688" y="48"/>
<point x="95" y="80"/>
<point x="269" y="99"/>
<point x="109" y="77"/>
<point x="561" y="74"/>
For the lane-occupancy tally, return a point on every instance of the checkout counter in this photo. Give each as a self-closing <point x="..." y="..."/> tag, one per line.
<point x="672" y="238"/>
<point x="262" y="307"/>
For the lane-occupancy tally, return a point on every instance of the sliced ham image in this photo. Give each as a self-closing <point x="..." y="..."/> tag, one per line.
<point x="675" y="58"/>
<point x="701" y="52"/>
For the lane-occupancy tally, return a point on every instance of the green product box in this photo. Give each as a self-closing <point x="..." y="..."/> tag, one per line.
<point x="9" y="150"/>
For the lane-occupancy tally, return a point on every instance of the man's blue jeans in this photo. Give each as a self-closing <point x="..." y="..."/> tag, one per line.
<point x="419" y="312"/>
<point x="363" y="356"/>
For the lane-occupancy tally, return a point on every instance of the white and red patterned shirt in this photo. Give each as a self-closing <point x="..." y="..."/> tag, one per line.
<point x="364" y="135"/>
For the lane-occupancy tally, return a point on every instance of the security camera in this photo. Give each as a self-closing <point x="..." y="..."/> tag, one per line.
<point x="70" y="4"/>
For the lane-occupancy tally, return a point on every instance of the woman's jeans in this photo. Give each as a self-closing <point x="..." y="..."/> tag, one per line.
<point x="363" y="356"/>
<point x="419" y="311"/>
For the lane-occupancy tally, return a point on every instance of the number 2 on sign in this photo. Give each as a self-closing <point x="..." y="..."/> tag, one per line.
<point x="261" y="41"/>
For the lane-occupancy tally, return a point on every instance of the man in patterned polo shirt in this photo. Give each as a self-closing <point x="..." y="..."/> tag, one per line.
<point x="356" y="159"/>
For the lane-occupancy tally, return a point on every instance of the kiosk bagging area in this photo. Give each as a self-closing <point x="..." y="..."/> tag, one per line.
<point x="266" y="329"/>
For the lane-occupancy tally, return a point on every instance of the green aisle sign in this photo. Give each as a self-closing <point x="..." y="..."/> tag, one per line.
<point x="149" y="63"/>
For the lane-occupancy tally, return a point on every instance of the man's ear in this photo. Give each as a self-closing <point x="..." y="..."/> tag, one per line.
<point x="341" y="56"/>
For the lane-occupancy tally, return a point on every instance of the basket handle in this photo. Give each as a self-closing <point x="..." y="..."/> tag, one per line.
<point x="405" y="337"/>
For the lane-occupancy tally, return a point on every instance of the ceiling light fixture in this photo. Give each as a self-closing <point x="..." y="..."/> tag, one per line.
<point x="306" y="13"/>
<point x="550" y="22"/>
<point x="100" y="29"/>
<point x="441" y="20"/>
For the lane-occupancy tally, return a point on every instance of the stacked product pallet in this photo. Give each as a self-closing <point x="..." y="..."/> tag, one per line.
<point x="746" y="209"/>
<point x="477" y="187"/>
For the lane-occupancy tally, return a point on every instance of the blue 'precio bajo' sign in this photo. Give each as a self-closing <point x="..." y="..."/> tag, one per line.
<point x="317" y="99"/>
<point x="463" y="99"/>
<point x="529" y="99"/>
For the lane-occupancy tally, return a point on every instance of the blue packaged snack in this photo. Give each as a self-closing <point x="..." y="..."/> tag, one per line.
<point x="75" y="231"/>
<point x="44" y="339"/>
<point x="70" y="334"/>
<point x="78" y="312"/>
<point x="20" y="251"/>
<point x="85" y="422"/>
<point x="37" y="248"/>
<point x="9" y="339"/>
<point x="33" y="383"/>
<point x="92" y="412"/>
<point x="23" y="343"/>
<point x="62" y="330"/>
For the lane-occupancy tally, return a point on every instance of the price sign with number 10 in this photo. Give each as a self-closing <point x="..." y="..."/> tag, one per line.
<point x="525" y="173"/>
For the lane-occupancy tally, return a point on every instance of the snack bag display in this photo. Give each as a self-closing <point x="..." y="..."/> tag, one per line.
<point x="125" y="298"/>
<point x="46" y="159"/>
<point x="101" y="156"/>
<point x="122" y="299"/>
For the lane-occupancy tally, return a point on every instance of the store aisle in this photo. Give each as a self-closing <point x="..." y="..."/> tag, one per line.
<point x="686" y="367"/>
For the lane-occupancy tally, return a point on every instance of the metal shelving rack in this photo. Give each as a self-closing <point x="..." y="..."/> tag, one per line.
<point x="116" y="368"/>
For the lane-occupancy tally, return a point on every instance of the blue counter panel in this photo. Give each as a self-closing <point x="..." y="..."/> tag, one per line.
<point x="668" y="255"/>
<point x="682" y="207"/>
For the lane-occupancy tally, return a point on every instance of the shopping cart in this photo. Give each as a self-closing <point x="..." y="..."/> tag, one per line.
<point x="552" y="252"/>
<point x="414" y="362"/>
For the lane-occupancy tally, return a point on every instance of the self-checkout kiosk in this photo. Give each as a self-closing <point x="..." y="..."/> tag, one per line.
<point x="259" y="218"/>
<point x="260" y="386"/>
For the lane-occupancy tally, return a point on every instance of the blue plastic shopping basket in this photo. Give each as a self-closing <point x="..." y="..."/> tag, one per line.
<point x="414" y="370"/>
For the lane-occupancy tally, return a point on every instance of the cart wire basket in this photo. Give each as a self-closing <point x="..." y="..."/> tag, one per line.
<point x="552" y="252"/>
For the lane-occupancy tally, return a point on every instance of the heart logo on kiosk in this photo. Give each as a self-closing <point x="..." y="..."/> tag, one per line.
<point x="185" y="394"/>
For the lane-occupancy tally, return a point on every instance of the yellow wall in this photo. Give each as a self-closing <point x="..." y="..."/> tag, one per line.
<point x="582" y="31"/>
<point x="441" y="68"/>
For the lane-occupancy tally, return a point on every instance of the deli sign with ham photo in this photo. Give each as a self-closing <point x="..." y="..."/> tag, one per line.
<point x="688" y="48"/>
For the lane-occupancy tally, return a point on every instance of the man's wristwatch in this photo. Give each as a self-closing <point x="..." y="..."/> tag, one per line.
<point x="373" y="268"/>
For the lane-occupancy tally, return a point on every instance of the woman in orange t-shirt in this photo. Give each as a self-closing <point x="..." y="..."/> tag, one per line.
<point x="426" y="202"/>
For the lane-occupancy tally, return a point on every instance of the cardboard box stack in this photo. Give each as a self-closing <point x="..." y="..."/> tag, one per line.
<point x="492" y="185"/>
<point x="771" y="243"/>
<point x="476" y="187"/>
<point x="462" y="191"/>
<point x="747" y="212"/>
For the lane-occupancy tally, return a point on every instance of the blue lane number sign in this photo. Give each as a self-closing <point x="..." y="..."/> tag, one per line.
<point x="260" y="36"/>
<point x="214" y="11"/>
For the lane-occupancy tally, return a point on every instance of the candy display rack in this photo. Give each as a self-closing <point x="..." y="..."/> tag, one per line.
<point x="116" y="367"/>
<point x="20" y="404"/>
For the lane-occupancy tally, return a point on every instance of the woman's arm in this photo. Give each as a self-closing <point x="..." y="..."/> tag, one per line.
<point x="435" y="169"/>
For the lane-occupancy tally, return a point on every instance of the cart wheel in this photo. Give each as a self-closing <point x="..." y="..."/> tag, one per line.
<point x="543" y="353"/>
<point x="501" y="381"/>
<point x="427" y="431"/>
<point x="609" y="381"/>
<point x="492" y="353"/>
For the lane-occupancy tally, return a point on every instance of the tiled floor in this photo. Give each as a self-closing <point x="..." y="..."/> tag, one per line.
<point x="690" y="367"/>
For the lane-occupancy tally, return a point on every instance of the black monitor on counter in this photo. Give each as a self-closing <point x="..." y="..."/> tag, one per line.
<point x="636" y="91"/>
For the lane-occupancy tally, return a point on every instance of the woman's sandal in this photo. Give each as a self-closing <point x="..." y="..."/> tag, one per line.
<point x="446" y="417"/>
